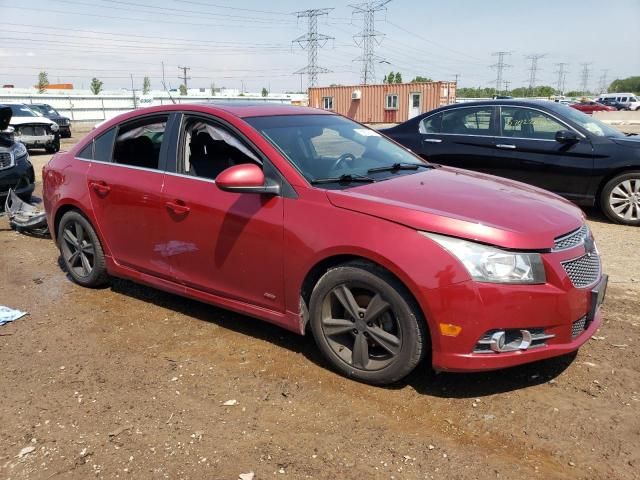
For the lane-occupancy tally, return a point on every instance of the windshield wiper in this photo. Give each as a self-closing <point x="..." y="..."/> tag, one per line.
<point x="399" y="166"/>
<point x="346" y="178"/>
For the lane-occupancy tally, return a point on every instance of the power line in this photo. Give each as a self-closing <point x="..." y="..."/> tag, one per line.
<point x="584" y="82"/>
<point x="562" y="77"/>
<point x="533" y="70"/>
<point x="311" y="42"/>
<point x="500" y="66"/>
<point x="368" y="37"/>
<point x="184" y="75"/>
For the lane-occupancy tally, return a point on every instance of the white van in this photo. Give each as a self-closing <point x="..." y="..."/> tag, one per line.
<point x="630" y="100"/>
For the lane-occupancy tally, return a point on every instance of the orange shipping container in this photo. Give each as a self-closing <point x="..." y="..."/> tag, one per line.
<point x="386" y="103"/>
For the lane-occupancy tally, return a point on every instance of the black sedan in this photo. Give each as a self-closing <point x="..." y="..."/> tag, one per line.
<point x="48" y="111"/>
<point x="16" y="170"/>
<point x="541" y="143"/>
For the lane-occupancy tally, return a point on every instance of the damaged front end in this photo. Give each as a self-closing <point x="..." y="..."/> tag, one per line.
<point x="25" y="217"/>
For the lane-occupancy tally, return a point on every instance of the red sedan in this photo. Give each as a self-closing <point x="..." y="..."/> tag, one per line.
<point x="590" y="107"/>
<point x="313" y="222"/>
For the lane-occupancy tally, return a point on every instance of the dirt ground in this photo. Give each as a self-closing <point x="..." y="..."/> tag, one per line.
<point x="130" y="382"/>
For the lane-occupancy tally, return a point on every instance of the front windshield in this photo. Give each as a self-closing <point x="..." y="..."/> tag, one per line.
<point x="22" y="111"/>
<point x="325" y="147"/>
<point x="592" y="125"/>
<point x="44" y="109"/>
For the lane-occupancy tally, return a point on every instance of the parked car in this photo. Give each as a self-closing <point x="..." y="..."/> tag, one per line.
<point x="33" y="130"/>
<point x="629" y="100"/>
<point x="612" y="102"/>
<point x="16" y="171"/>
<point x="48" y="111"/>
<point x="541" y="143"/>
<point x="589" y="107"/>
<point x="311" y="221"/>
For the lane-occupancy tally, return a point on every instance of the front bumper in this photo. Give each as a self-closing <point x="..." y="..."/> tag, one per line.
<point x="37" y="141"/>
<point x="65" y="131"/>
<point x="479" y="308"/>
<point x="19" y="177"/>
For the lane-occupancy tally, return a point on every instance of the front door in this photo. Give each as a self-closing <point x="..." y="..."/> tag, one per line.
<point x="415" y="104"/>
<point x="527" y="150"/>
<point x="125" y="186"/>
<point x="227" y="244"/>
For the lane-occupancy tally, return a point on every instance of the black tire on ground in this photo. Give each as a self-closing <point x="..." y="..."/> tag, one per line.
<point x="81" y="250"/>
<point x="620" y="198"/>
<point x="366" y="324"/>
<point x="53" y="148"/>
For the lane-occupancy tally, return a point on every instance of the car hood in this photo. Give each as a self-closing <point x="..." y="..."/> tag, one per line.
<point x="5" y="117"/>
<point x="632" y="141"/>
<point x="467" y="204"/>
<point x="28" y="120"/>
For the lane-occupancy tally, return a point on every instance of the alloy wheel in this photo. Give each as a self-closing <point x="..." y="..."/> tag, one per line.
<point x="77" y="249"/>
<point x="624" y="199"/>
<point x="361" y="327"/>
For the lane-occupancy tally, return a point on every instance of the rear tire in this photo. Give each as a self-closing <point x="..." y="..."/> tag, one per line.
<point x="81" y="251"/>
<point x="620" y="199"/>
<point x="366" y="324"/>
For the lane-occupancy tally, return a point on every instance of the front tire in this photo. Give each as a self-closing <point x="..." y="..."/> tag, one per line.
<point x="620" y="199"/>
<point x="366" y="324"/>
<point x="81" y="251"/>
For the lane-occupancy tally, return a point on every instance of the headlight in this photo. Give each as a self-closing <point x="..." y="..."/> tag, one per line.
<point x="54" y="127"/>
<point x="490" y="264"/>
<point x="19" y="150"/>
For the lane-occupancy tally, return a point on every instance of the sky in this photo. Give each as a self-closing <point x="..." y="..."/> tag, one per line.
<point x="250" y="43"/>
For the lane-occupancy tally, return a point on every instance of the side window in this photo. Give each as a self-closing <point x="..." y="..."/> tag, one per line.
<point x="527" y="123"/>
<point x="624" y="99"/>
<point x="87" y="152"/>
<point x="103" y="146"/>
<point x="431" y="124"/>
<point x="209" y="149"/>
<point x="138" y="143"/>
<point x="468" y="121"/>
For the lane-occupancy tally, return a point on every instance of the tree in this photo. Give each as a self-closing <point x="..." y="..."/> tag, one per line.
<point x="390" y="78"/>
<point x="384" y="80"/>
<point x="96" y="86"/>
<point x="420" y="79"/>
<point x="573" y="93"/>
<point x="398" y="78"/>
<point x="146" y="85"/>
<point x="183" y="89"/>
<point x="43" y="82"/>
<point x="265" y="92"/>
<point x="629" y="84"/>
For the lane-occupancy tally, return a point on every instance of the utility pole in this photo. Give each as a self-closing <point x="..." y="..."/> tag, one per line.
<point x="562" y="77"/>
<point x="184" y="77"/>
<point x="603" y="81"/>
<point x="311" y="42"/>
<point x="584" y="82"/>
<point x="533" y="70"/>
<point x="368" y="37"/>
<point x="133" y="92"/>
<point x="457" y="75"/>
<point x="500" y="66"/>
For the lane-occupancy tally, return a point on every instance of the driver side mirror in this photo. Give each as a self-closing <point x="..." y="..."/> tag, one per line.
<point x="246" y="178"/>
<point x="566" y="136"/>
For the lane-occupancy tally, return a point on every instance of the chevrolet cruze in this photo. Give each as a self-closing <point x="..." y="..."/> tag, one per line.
<point x="305" y="219"/>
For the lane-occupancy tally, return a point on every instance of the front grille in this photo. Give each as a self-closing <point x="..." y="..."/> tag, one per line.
<point x="583" y="271"/>
<point x="578" y="327"/>
<point x="571" y="239"/>
<point x="33" y="130"/>
<point x="63" y="122"/>
<point x="6" y="160"/>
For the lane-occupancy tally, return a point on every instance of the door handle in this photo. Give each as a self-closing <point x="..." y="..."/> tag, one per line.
<point x="506" y="146"/>
<point x="433" y="140"/>
<point x="101" y="188"/>
<point x="178" y="207"/>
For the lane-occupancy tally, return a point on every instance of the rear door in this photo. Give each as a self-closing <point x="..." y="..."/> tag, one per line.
<point x="527" y="151"/>
<point x="460" y="137"/>
<point x="125" y="184"/>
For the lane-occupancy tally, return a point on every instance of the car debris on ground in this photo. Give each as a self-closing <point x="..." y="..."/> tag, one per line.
<point x="24" y="216"/>
<point x="9" y="315"/>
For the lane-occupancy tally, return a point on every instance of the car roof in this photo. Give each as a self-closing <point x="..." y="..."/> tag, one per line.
<point x="257" y="109"/>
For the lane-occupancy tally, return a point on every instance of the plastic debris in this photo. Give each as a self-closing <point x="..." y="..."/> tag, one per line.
<point x="9" y="315"/>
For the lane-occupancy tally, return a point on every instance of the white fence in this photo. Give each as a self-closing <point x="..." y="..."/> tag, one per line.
<point x="83" y="108"/>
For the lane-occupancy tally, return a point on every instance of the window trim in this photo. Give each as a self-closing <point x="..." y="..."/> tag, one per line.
<point x="324" y="103"/>
<point x="386" y="101"/>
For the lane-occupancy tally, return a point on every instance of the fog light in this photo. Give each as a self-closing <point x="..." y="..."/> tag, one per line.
<point x="449" y="330"/>
<point x="520" y="342"/>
